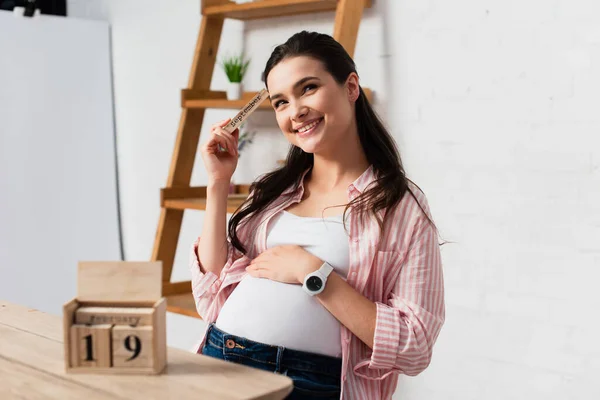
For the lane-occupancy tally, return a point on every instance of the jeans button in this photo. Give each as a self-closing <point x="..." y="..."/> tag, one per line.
<point x="230" y="344"/>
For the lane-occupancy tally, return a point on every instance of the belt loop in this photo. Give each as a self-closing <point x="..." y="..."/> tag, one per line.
<point x="280" y="350"/>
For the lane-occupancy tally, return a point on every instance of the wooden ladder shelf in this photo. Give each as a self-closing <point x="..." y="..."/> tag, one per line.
<point x="178" y="195"/>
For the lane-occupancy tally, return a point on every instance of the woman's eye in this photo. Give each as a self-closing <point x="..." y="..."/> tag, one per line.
<point x="309" y="87"/>
<point x="305" y="89"/>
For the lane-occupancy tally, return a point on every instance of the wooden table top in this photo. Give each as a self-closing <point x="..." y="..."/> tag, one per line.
<point x="32" y="367"/>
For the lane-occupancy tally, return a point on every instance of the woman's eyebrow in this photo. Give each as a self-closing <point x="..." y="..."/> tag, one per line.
<point x="299" y="83"/>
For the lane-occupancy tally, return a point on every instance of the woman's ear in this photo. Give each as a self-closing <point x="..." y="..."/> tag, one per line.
<point x="352" y="87"/>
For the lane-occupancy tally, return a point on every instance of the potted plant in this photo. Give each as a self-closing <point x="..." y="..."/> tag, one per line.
<point x="245" y="138"/>
<point x="235" y="68"/>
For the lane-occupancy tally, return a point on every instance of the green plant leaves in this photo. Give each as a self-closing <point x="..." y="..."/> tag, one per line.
<point x="235" y="68"/>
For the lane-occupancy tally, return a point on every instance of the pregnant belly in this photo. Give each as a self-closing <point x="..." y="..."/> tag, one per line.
<point x="280" y="314"/>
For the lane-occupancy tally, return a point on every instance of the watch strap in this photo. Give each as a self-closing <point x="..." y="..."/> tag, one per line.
<point x="325" y="270"/>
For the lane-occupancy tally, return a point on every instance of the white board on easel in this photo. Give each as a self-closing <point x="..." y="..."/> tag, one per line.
<point x="58" y="187"/>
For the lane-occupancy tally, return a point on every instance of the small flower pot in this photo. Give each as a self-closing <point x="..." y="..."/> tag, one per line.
<point x="234" y="91"/>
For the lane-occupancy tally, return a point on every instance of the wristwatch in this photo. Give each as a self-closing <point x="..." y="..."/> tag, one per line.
<point x="314" y="283"/>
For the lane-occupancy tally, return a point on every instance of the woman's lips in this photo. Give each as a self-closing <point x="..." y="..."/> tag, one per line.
<point x="311" y="130"/>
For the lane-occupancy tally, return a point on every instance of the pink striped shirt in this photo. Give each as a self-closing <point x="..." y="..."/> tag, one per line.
<point x="400" y="271"/>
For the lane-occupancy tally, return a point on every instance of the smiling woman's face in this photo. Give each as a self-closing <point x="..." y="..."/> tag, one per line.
<point x="313" y="111"/>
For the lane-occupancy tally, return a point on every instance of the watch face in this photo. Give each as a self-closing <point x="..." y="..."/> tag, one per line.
<point x="314" y="283"/>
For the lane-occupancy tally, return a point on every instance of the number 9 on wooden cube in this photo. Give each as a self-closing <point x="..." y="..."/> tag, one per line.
<point x="132" y="346"/>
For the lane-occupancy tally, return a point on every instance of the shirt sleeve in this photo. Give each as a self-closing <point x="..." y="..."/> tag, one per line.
<point x="408" y="324"/>
<point x="208" y="288"/>
<point x="205" y="286"/>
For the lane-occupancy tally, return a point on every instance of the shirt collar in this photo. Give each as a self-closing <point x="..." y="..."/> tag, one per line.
<point x="360" y="184"/>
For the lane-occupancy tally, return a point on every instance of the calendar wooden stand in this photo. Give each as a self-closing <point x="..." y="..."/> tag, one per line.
<point x="117" y="322"/>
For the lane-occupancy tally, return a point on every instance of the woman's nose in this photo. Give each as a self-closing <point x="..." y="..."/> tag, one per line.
<point x="299" y="111"/>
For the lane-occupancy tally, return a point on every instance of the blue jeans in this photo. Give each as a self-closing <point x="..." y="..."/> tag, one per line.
<point x="315" y="376"/>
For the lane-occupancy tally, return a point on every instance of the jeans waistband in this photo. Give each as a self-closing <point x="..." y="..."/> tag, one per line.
<point x="290" y="358"/>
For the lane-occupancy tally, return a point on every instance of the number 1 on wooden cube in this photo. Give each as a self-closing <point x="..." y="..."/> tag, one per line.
<point x="90" y="346"/>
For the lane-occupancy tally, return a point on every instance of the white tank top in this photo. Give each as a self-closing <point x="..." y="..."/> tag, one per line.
<point x="282" y="314"/>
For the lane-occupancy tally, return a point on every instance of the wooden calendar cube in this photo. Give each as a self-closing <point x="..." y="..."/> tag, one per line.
<point x="132" y="347"/>
<point x="132" y="316"/>
<point x="117" y="322"/>
<point x="90" y="346"/>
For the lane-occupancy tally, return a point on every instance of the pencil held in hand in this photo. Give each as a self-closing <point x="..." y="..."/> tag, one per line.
<point x="220" y="153"/>
<point x="246" y="111"/>
<point x="222" y="140"/>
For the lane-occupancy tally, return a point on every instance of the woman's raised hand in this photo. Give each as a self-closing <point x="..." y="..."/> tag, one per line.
<point x="220" y="153"/>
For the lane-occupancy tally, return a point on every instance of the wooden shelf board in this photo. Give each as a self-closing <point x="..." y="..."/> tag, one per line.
<point x="269" y="8"/>
<point x="182" y="304"/>
<point x="233" y="202"/>
<point x="223" y="103"/>
<point x="190" y="101"/>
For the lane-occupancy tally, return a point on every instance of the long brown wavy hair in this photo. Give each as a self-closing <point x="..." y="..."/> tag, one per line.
<point x="379" y="146"/>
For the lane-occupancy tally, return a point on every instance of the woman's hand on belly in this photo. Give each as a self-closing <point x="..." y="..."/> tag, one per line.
<point x="287" y="264"/>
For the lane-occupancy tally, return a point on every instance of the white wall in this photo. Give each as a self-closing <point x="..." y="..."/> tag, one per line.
<point x="493" y="105"/>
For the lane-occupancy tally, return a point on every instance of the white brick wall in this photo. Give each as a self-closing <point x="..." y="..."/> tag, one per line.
<point x="494" y="105"/>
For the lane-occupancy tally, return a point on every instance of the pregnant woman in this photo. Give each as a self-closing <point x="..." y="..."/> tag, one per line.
<point x="330" y="272"/>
